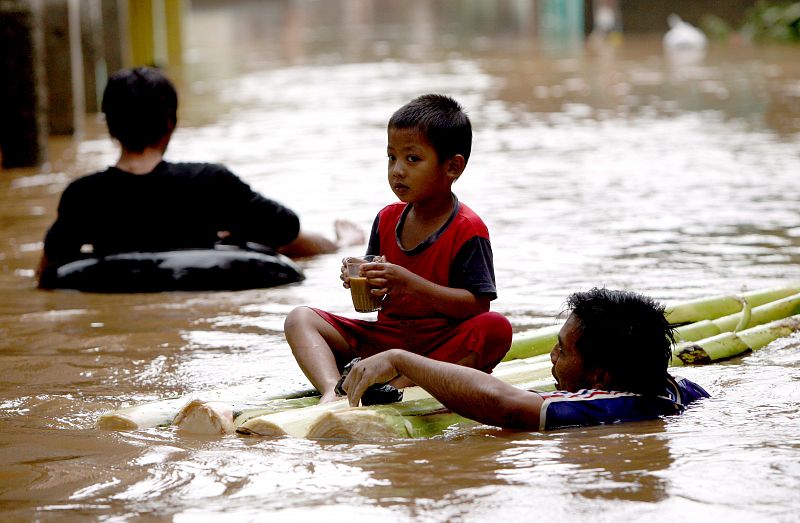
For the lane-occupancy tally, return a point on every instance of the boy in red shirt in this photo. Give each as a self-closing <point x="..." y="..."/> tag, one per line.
<point x="438" y="277"/>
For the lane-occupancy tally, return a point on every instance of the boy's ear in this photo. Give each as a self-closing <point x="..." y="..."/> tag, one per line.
<point x="455" y="166"/>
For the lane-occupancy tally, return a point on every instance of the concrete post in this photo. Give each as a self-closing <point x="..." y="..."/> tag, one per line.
<point x="116" y="37"/>
<point x="561" y="26"/>
<point x="156" y="32"/>
<point x="64" y="65"/>
<point x="23" y="123"/>
<point x="140" y="20"/>
<point x="94" y="63"/>
<point x="173" y="23"/>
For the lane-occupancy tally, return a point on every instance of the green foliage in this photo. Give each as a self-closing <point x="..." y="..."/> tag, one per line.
<point x="773" y="21"/>
<point x="766" y="21"/>
<point x="716" y="28"/>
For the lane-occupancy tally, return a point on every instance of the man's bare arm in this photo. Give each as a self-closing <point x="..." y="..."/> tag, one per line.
<point x="468" y="392"/>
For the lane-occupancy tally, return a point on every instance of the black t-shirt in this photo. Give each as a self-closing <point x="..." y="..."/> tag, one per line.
<point x="176" y="206"/>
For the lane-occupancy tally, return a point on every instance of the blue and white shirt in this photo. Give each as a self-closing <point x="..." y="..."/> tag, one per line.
<point x="595" y="407"/>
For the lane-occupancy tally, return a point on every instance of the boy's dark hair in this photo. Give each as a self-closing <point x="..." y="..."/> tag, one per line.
<point x="441" y="120"/>
<point x="627" y="335"/>
<point x="141" y="107"/>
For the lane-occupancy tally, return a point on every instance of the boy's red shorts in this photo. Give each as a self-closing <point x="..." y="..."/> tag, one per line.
<point x="487" y="334"/>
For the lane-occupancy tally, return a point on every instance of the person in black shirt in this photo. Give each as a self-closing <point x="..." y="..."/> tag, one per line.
<point x="146" y="204"/>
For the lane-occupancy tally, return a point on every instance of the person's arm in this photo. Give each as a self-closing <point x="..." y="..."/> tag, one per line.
<point x="269" y="223"/>
<point x="45" y="272"/>
<point x="468" y="392"/>
<point x="313" y="243"/>
<point x="308" y="244"/>
<point x="60" y="247"/>
<point x="246" y="215"/>
<point x="64" y="238"/>
<point x="374" y="242"/>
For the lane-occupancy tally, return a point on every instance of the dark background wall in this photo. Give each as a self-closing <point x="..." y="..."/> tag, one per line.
<point x="645" y="16"/>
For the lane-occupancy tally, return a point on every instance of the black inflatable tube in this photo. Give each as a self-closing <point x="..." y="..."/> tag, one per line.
<point x="221" y="268"/>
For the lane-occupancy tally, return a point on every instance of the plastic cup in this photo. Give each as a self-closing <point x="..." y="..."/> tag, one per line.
<point x="363" y="299"/>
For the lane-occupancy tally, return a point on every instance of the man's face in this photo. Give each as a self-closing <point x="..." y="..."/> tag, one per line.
<point x="569" y="369"/>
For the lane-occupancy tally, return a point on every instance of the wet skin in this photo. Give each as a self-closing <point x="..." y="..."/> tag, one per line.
<point x="569" y="369"/>
<point x="415" y="172"/>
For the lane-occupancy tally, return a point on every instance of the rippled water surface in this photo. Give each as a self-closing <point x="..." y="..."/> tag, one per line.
<point x="614" y="166"/>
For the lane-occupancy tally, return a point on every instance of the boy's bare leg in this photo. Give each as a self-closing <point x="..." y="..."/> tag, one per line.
<point x="315" y="343"/>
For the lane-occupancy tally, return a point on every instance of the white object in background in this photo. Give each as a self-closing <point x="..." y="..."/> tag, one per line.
<point x="682" y="35"/>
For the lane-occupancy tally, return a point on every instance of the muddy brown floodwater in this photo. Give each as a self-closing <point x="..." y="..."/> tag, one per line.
<point x="594" y="165"/>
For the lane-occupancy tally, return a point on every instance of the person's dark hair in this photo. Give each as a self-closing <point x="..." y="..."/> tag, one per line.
<point x="141" y="107"/>
<point x="441" y="120"/>
<point x="625" y="334"/>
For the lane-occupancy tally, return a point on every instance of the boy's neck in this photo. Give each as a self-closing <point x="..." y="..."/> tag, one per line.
<point x="424" y="220"/>
<point x="140" y="162"/>
<point x="434" y="209"/>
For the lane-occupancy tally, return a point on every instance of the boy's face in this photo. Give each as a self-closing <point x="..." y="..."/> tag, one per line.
<point x="415" y="173"/>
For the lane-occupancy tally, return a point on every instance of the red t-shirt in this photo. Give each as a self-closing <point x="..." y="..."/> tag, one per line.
<point x="458" y="255"/>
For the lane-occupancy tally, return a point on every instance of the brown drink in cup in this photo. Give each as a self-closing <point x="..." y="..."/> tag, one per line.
<point x="363" y="299"/>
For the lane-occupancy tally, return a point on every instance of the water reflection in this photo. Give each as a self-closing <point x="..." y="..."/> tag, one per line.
<point x="622" y="466"/>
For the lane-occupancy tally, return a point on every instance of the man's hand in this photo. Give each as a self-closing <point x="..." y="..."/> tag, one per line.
<point x="379" y="368"/>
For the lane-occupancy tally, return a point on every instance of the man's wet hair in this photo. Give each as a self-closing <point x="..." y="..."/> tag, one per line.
<point x="627" y="335"/>
<point x="441" y="120"/>
<point x="141" y="107"/>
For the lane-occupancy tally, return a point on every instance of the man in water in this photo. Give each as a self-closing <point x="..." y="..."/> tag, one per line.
<point x="610" y="365"/>
<point x="146" y="204"/>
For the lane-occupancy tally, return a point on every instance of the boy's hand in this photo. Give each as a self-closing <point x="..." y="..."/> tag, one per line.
<point x="388" y="277"/>
<point x="344" y="276"/>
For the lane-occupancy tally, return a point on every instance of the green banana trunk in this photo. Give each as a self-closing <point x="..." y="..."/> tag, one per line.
<point x="422" y="418"/>
<point x="698" y="313"/>
<point x="730" y="344"/>
<point x="718" y="306"/>
<point x="741" y="320"/>
<point x="533" y="372"/>
<point x="161" y="413"/>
